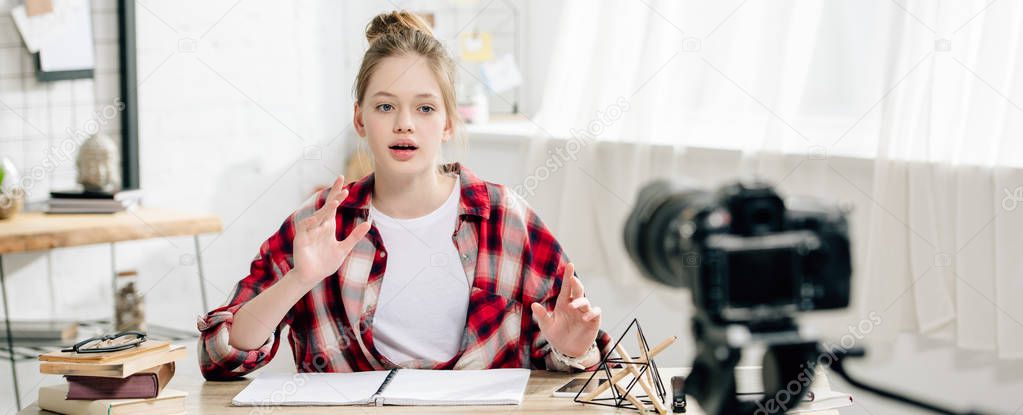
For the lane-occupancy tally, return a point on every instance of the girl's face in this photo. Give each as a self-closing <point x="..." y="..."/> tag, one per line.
<point x="402" y="116"/>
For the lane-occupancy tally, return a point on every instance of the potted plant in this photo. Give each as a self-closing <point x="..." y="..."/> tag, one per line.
<point x="11" y="194"/>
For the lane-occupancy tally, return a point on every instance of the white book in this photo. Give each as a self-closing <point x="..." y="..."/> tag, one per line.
<point x="393" y="387"/>
<point x="749" y="385"/>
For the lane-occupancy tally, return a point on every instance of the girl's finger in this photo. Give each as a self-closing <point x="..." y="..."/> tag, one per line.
<point x="327" y="212"/>
<point x="337" y="192"/>
<point x="356" y="235"/>
<point x="582" y="304"/>
<point x="342" y="195"/>
<point x="543" y="319"/>
<point x="593" y="314"/>
<point x="335" y="187"/>
<point x="565" y="295"/>
<point x="578" y="291"/>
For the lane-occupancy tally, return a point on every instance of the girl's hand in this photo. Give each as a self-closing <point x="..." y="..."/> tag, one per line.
<point x="573" y="325"/>
<point x="317" y="252"/>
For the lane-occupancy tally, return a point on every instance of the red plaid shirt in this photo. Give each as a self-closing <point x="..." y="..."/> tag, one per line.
<point x="511" y="258"/>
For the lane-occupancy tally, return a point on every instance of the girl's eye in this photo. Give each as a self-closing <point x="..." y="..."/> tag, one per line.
<point x="426" y="109"/>
<point x="385" y="107"/>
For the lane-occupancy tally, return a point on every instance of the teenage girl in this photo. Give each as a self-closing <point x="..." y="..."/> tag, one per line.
<point x="417" y="265"/>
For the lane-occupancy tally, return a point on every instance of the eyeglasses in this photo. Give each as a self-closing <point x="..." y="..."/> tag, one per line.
<point x="109" y="343"/>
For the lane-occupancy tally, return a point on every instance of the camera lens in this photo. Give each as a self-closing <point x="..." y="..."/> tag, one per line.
<point x="655" y="235"/>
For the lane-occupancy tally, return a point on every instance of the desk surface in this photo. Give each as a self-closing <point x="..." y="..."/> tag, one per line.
<point x="215" y="398"/>
<point x="32" y="231"/>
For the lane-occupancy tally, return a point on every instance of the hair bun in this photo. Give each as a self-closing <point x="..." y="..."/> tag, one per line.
<point x="395" y="22"/>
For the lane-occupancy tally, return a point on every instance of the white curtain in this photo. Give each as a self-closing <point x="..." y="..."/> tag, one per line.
<point x="905" y="110"/>
<point x="945" y="234"/>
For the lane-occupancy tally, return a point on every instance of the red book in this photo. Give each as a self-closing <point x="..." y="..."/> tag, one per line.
<point x="144" y="384"/>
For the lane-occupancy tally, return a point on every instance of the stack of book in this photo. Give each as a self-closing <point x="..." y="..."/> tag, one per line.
<point x="92" y="202"/>
<point x="129" y="381"/>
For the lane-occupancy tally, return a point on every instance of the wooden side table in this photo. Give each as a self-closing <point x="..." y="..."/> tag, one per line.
<point x="33" y="231"/>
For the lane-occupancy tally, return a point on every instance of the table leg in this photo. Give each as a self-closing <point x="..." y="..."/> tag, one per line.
<point x="202" y="277"/>
<point x="10" y="338"/>
<point x="113" y="288"/>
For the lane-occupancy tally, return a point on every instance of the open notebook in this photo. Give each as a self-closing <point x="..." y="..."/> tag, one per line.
<point x="393" y="387"/>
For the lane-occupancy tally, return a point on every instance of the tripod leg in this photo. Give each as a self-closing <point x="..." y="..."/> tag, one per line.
<point x="712" y="381"/>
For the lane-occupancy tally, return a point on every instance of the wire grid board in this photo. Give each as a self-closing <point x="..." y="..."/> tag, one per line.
<point x="37" y="118"/>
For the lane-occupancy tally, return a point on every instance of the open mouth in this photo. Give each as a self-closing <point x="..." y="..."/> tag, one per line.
<point x="403" y="150"/>
<point x="403" y="147"/>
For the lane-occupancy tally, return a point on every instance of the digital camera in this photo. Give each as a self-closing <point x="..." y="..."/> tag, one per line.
<point x="747" y="255"/>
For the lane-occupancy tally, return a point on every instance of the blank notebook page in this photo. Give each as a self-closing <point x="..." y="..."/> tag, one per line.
<point x="456" y="387"/>
<point x="290" y="389"/>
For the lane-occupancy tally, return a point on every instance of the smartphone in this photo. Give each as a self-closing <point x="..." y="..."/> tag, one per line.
<point x="570" y="389"/>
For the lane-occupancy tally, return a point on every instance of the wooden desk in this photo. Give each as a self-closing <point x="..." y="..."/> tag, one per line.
<point x="215" y="398"/>
<point x="34" y="231"/>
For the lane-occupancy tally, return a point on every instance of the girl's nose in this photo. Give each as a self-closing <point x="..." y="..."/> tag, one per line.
<point x="403" y="125"/>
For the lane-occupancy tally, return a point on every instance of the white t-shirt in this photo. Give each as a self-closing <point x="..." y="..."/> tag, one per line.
<point x="424" y="295"/>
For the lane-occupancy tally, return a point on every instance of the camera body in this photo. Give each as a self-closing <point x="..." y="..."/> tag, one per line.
<point x="748" y="256"/>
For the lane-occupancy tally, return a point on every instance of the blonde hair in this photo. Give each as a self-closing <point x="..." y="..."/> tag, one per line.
<point x="400" y="33"/>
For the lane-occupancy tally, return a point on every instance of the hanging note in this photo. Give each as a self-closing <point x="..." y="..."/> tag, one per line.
<point x="476" y="47"/>
<point x="69" y="48"/>
<point x="502" y="74"/>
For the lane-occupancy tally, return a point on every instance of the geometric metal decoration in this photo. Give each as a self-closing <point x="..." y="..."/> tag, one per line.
<point x="626" y="372"/>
